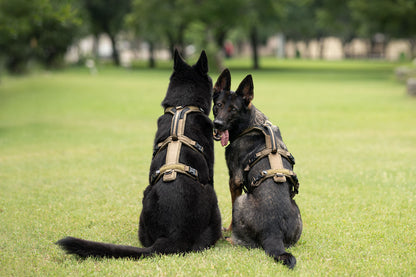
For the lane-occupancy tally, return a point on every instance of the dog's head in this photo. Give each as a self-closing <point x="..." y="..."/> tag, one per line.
<point x="189" y="85"/>
<point x="230" y="108"/>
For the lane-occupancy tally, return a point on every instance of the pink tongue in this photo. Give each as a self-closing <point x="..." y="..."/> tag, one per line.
<point x="224" y="138"/>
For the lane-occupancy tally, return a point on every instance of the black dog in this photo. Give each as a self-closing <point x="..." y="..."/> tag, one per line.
<point x="258" y="162"/>
<point x="180" y="211"/>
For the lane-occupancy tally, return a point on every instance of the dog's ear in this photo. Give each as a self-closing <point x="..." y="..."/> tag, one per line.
<point x="178" y="62"/>
<point x="245" y="89"/>
<point x="202" y="63"/>
<point x="223" y="82"/>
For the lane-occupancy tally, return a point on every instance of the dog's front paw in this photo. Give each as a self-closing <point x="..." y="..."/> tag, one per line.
<point x="230" y="240"/>
<point x="226" y="234"/>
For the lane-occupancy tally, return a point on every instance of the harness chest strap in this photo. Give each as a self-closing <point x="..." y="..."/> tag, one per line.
<point x="174" y="143"/>
<point x="265" y="152"/>
<point x="184" y="139"/>
<point x="276" y="174"/>
<point x="174" y="168"/>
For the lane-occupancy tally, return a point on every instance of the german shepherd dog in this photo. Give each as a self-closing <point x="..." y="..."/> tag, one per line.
<point x="179" y="214"/>
<point x="266" y="216"/>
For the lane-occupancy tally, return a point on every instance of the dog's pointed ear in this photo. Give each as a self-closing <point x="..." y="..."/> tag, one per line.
<point x="178" y="62"/>
<point x="245" y="89"/>
<point x="202" y="63"/>
<point x="223" y="81"/>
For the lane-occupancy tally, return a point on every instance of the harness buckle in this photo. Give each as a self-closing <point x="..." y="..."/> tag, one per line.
<point x="199" y="147"/>
<point x="193" y="172"/>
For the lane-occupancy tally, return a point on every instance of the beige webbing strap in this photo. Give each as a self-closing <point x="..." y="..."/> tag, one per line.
<point x="172" y="157"/>
<point x="185" y="140"/>
<point x="275" y="159"/>
<point x="173" y="169"/>
<point x="272" y="173"/>
<point x="174" y="147"/>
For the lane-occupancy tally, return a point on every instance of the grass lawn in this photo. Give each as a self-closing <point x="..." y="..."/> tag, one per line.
<point x="75" y="150"/>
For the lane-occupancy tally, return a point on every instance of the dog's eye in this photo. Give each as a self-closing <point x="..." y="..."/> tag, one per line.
<point x="233" y="109"/>
<point x="219" y="105"/>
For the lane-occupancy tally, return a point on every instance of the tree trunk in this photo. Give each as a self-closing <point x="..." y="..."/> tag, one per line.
<point x="176" y="43"/>
<point x="220" y="39"/>
<point x="253" y="41"/>
<point x="152" y="62"/>
<point x="171" y="44"/>
<point x="116" y="56"/>
<point x="321" y="48"/>
<point x="95" y="44"/>
<point x="181" y="40"/>
<point x="412" y="42"/>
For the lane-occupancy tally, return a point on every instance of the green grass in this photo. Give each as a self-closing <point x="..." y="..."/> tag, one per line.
<point x="75" y="151"/>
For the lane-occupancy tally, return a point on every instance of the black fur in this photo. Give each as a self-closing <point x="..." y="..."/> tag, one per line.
<point x="182" y="215"/>
<point x="266" y="216"/>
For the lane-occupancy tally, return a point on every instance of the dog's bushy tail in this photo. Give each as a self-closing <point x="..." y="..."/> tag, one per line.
<point x="275" y="248"/>
<point x="286" y="258"/>
<point x="86" y="248"/>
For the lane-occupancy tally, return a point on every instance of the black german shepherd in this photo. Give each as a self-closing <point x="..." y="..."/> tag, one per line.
<point x="181" y="214"/>
<point x="266" y="216"/>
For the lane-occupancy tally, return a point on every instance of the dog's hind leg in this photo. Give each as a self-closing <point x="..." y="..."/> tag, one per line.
<point x="165" y="245"/>
<point x="236" y="190"/>
<point x="212" y="232"/>
<point x="275" y="248"/>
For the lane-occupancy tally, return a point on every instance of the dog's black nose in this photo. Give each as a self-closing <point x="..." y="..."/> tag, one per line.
<point x="218" y="124"/>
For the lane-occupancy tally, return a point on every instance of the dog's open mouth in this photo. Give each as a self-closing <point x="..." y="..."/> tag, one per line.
<point x="222" y="136"/>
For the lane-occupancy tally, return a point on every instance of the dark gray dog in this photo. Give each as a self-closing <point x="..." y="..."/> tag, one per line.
<point x="258" y="162"/>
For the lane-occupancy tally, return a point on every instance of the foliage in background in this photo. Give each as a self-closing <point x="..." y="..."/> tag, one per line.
<point x="392" y="18"/>
<point x="107" y="16"/>
<point x="160" y="21"/>
<point x="41" y="29"/>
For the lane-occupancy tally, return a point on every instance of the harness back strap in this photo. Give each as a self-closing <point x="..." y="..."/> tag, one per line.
<point x="174" y="143"/>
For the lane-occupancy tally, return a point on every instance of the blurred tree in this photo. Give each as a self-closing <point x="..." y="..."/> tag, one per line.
<point x="40" y="29"/>
<point x="107" y="16"/>
<point x="297" y="23"/>
<point x="393" y="18"/>
<point x="145" y="24"/>
<point x="158" y="21"/>
<point x="333" y="18"/>
<point x="215" y="20"/>
<point x="261" y="19"/>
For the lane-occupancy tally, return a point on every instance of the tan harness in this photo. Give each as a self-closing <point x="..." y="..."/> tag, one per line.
<point x="174" y="143"/>
<point x="274" y="153"/>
